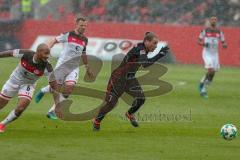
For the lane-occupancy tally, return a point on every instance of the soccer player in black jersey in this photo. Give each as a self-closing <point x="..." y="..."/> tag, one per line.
<point x="123" y="79"/>
<point x="23" y="79"/>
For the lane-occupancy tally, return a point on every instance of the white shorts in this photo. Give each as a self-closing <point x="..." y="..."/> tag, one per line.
<point x="67" y="77"/>
<point x="10" y="90"/>
<point x="211" y="60"/>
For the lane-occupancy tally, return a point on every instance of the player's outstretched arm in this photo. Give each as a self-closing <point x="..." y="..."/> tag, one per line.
<point x="52" y="42"/>
<point x="15" y="53"/>
<point x="6" y="54"/>
<point x="149" y="61"/>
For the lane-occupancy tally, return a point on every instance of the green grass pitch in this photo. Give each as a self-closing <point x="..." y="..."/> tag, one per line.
<point x="197" y="137"/>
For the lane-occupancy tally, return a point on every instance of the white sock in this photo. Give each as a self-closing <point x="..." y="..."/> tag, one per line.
<point x="207" y="83"/>
<point x="61" y="98"/>
<point x="11" y="117"/>
<point x="203" y="78"/>
<point x="52" y="108"/>
<point x="46" y="89"/>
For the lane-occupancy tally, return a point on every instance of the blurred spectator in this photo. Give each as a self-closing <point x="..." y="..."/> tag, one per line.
<point x="26" y="8"/>
<point x="187" y="12"/>
<point x="43" y="2"/>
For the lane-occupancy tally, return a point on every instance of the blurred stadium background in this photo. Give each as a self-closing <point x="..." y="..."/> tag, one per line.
<point x="178" y="23"/>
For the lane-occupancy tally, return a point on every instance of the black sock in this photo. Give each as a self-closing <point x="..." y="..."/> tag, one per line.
<point x="137" y="103"/>
<point x="99" y="117"/>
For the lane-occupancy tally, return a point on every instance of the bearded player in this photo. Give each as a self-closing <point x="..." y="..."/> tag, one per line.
<point x="209" y="39"/>
<point x="67" y="68"/>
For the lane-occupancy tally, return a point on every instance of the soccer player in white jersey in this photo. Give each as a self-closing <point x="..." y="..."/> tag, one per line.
<point x="209" y="38"/>
<point x="23" y="79"/>
<point x="67" y="67"/>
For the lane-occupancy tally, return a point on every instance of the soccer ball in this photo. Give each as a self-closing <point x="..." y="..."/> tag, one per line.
<point x="229" y="131"/>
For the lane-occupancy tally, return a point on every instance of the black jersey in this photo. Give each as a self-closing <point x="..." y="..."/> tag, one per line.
<point x="134" y="59"/>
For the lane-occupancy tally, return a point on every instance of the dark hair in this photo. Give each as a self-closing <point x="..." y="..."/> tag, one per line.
<point x="213" y="16"/>
<point x="149" y="36"/>
<point x="80" y="18"/>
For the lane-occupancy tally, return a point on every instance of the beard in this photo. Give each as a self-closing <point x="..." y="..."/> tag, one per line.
<point x="81" y="31"/>
<point x="213" y="24"/>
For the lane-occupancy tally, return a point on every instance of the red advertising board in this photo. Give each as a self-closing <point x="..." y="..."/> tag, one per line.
<point x="181" y="39"/>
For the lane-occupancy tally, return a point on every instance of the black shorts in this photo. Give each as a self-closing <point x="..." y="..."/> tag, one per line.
<point x="118" y="85"/>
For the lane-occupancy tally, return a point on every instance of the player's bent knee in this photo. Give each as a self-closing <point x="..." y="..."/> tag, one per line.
<point x="3" y="102"/>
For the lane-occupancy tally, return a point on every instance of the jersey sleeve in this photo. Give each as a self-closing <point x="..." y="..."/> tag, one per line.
<point x="145" y="61"/>
<point x="18" y="53"/>
<point x="62" y="38"/>
<point x="222" y="38"/>
<point x="202" y="34"/>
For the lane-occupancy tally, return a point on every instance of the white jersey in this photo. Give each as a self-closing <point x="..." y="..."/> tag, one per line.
<point x="74" y="46"/>
<point x="211" y="37"/>
<point x="28" y="71"/>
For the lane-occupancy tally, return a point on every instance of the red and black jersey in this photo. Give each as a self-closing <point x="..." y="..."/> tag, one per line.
<point x="28" y="70"/>
<point x="212" y="37"/>
<point x="74" y="45"/>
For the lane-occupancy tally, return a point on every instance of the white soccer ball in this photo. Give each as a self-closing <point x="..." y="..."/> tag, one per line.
<point x="229" y="131"/>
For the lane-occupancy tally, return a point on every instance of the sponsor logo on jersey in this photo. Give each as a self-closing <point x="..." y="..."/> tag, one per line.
<point x="216" y="35"/>
<point x="76" y="41"/>
<point x="36" y="71"/>
<point x="30" y="69"/>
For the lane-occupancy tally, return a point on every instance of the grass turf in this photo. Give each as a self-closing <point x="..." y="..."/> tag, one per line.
<point x="33" y="136"/>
